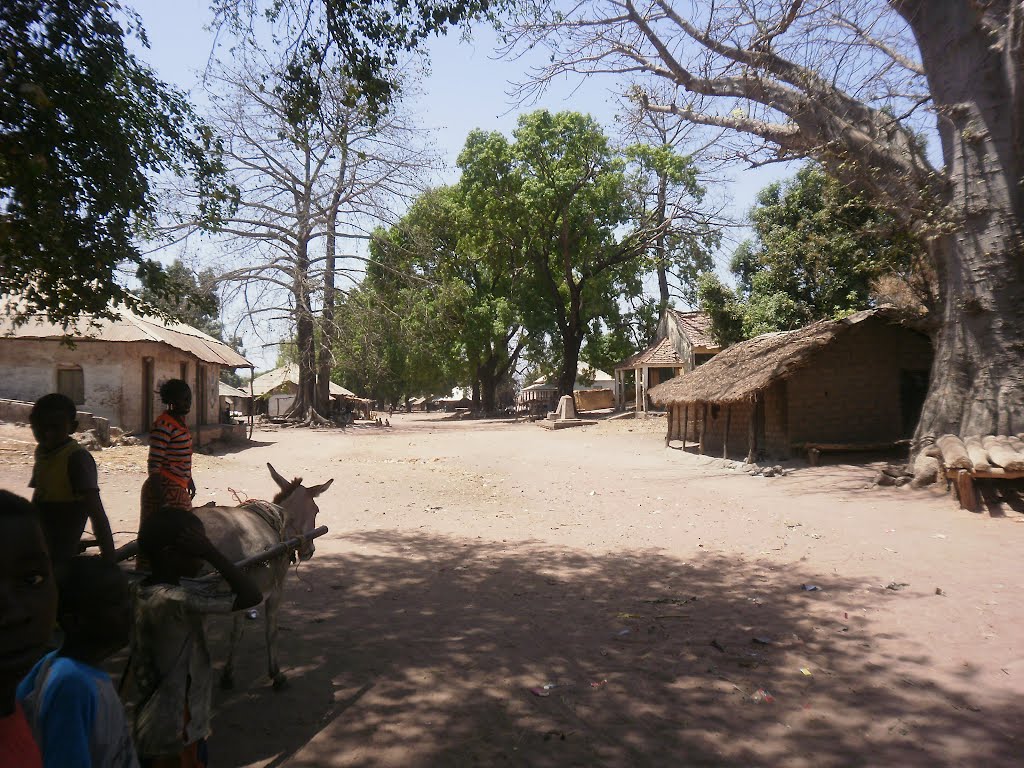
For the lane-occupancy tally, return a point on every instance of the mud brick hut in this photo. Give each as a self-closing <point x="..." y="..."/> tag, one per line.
<point x="850" y="384"/>
<point x="682" y="342"/>
<point x="113" y="368"/>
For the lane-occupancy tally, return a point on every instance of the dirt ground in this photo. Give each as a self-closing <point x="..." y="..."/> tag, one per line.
<point x="497" y="594"/>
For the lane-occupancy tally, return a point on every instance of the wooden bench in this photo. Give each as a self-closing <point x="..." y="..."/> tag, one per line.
<point x="963" y="481"/>
<point x="814" y="450"/>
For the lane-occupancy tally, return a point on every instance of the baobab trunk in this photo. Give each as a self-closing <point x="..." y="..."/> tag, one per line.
<point x="977" y="382"/>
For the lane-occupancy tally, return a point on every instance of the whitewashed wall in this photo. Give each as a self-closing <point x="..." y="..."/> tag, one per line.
<point x="113" y="376"/>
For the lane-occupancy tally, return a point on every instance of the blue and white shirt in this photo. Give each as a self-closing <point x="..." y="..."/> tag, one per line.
<point x="76" y="716"/>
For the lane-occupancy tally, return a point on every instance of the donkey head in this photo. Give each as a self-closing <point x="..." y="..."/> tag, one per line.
<point x="300" y="508"/>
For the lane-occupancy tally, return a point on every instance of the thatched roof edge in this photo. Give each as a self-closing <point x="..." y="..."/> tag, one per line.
<point x="743" y="370"/>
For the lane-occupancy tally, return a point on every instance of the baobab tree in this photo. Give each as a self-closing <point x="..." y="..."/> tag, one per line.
<point x="857" y="85"/>
<point x="305" y="181"/>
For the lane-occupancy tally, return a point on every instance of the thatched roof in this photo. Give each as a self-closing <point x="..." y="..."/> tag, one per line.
<point x="741" y="371"/>
<point x="661" y="354"/>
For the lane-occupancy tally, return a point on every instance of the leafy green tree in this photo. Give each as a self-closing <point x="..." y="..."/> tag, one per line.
<point x="666" y="184"/>
<point x="445" y="265"/>
<point x="818" y="251"/>
<point x="84" y="128"/>
<point x="578" y="245"/>
<point x="191" y="298"/>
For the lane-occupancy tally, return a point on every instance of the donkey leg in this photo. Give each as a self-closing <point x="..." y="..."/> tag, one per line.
<point x="270" y="610"/>
<point x="227" y="677"/>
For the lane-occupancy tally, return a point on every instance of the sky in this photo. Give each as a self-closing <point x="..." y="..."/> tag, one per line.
<point x="466" y="88"/>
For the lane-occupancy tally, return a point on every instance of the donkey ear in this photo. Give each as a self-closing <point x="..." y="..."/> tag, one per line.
<point x="316" y="490"/>
<point x="277" y="478"/>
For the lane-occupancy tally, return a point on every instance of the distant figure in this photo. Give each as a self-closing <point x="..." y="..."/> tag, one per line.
<point x="170" y="660"/>
<point x="64" y="482"/>
<point x="28" y="613"/>
<point x="226" y="417"/>
<point x="387" y="422"/>
<point x="68" y="699"/>
<point x="170" y="454"/>
<point x="391" y="410"/>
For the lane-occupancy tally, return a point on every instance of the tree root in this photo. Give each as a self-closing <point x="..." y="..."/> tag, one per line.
<point x="308" y="418"/>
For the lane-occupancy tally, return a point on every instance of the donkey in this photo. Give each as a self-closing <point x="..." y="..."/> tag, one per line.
<point x="241" y="532"/>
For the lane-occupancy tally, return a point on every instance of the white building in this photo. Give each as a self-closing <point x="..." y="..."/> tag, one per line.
<point x="114" y="368"/>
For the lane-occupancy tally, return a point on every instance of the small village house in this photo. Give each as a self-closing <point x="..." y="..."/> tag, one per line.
<point x="460" y="398"/>
<point x="113" y="368"/>
<point x="541" y="395"/>
<point x="234" y="400"/>
<point x="682" y="342"/>
<point x="855" y="383"/>
<point x="275" y="392"/>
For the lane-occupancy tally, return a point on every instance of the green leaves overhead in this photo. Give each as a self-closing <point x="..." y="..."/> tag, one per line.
<point x="541" y="245"/>
<point x="819" y="251"/>
<point x="84" y="128"/>
<point x="357" y="40"/>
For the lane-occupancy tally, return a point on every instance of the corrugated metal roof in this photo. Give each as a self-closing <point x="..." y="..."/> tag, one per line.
<point x="289" y="374"/>
<point x="226" y="390"/>
<point x="129" y="327"/>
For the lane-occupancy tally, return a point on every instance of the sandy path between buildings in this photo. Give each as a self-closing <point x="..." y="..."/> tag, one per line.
<point x="496" y="594"/>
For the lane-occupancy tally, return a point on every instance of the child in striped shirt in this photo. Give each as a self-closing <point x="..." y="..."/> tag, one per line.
<point x="170" y="454"/>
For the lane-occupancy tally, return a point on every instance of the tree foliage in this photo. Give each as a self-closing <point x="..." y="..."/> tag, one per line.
<point x="818" y="251"/>
<point x="578" y="234"/>
<point x="357" y="41"/>
<point x="853" y="84"/>
<point x="191" y="297"/>
<point x="84" y="128"/>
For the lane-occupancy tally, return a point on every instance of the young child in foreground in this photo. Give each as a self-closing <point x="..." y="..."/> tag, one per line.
<point x="71" y="704"/>
<point x="27" y="613"/>
<point x="64" y="482"/>
<point x="170" y="659"/>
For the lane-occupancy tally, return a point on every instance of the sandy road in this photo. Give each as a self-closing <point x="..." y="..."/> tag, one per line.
<point x="471" y="564"/>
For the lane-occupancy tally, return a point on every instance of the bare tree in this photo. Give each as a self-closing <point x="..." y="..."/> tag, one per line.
<point x="306" y="181"/>
<point x="668" y="154"/>
<point x="855" y="84"/>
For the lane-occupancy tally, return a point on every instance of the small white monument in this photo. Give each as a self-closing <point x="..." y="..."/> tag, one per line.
<point x="564" y="416"/>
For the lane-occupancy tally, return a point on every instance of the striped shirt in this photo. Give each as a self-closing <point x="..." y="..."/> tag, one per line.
<point x="170" y="450"/>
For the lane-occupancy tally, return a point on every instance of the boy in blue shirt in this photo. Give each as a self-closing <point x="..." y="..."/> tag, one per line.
<point x="70" y="703"/>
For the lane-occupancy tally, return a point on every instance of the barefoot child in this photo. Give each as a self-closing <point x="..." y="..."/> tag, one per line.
<point x="64" y="482"/>
<point x="170" y="659"/>
<point x="70" y="702"/>
<point x="28" y="606"/>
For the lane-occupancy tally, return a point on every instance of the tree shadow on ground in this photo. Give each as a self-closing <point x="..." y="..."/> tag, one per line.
<point x="425" y="650"/>
<point x="222" y="448"/>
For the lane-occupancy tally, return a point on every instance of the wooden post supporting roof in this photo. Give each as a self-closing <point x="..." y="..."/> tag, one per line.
<point x="703" y="429"/>
<point x="725" y="435"/>
<point x="752" y="432"/>
<point x="686" y="423"/>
